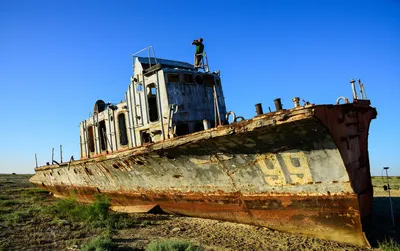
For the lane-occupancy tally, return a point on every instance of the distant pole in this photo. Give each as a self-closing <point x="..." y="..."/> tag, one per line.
<point x="52" y="156"/>
<point x="61" y="153"/>
<point x="36" y="160"/>
<point x="390" y="197"/>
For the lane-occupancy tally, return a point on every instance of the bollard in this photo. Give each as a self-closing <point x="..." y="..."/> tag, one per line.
<point x="259" y="109"/>
<point x="296" y="101"/>
<point x="278" y="104"/>
<point x="206" y="124"/>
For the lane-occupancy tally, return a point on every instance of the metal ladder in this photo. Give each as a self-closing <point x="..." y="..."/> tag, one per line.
<point x="202" y="65"/>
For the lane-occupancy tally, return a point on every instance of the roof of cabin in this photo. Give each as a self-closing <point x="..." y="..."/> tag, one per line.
<point x="164" y="63"/>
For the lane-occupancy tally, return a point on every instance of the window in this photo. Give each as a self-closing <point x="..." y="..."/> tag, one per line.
<point x="198" y="79"/>
<point x="152" y="101"/>
<point x="123" y="137"/>
<point x="139" y="87"/>
<point x="91" y="139"/>
<point x="188" y="78"/>
<point x="173" y="78"/>
<point x="208" y="79"/>
<point x="103" y="135"/>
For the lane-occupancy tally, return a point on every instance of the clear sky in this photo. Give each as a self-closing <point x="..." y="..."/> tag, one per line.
<point x="58" y="57"/>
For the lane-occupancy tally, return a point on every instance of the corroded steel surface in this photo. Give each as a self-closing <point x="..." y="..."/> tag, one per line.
<point x="303" y="170"/>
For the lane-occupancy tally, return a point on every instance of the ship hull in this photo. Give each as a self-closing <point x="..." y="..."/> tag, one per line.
<point x="292" y="171"/>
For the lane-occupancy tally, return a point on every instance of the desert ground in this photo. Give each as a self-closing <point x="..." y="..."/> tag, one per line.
<point x="32" y="219"/>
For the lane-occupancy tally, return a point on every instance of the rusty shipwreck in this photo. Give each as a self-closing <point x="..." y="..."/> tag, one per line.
<point x="169" y="145"/>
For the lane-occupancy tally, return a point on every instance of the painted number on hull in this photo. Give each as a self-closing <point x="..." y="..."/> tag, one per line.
<point x="285" y="168"/>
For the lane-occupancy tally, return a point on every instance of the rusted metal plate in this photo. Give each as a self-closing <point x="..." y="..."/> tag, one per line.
<point x="303" y="171"/>
<point x="332" y="217"/>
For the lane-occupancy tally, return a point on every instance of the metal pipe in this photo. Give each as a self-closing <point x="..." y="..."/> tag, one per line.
<point x="390" y="197"/>
<point x="353" y="87"/>
<point x="132" y="112"/>
<point x="154" y="53"/>
<point x="95" y="138"/>
<point x="98" y="132"/>
<point x="259" y="109"/>
<point x="148" y="53"/>
<point x="215" y="113"/>
<point x="216" y="101"/>
<point x="278" y="104"/>
<point x="134" y="102"/>
<point x="81" y="148"/>
<point x="159" y="106"/>
<point x="169" y="119"/>
<point x="147" y="48"/>
<point x="52" y="155"/>
<point x="86" y="136"/>
<point x="61" y="153"/>
<point x="36" y="160"/>
<point x="206" y="124"/>
<point x="141" y="107"/>
<point x="362" y="90"/>
<point x="105" y="139"/>
<point x="346" y="100"/>
<point x="128" y="104"/>
<point x="145" y="100"/>
<point x="109" y="127"/>
<point x="115" y="130"/>
<point x="172" y="111"/>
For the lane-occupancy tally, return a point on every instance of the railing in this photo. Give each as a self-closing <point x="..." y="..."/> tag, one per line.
<point x="201" y="63"/>
<point x="150" y="50"/>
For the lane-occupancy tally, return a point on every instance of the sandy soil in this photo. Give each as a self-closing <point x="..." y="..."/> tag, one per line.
<point x="22" y="229"/>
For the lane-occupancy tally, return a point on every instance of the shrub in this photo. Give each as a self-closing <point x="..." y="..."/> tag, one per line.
<point x="96" y="214"/>
<point x="389" y="245"/>
<point x="172" y="245"/>
<point x="100" y="243"/>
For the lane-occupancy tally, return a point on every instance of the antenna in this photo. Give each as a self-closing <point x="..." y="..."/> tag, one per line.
<point x="390" y="197"/>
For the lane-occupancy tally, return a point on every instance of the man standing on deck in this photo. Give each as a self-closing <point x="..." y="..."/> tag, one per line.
<point x="199" y="52"/>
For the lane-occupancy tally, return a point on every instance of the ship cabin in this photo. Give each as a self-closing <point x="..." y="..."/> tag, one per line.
<point x="165" y="99"/>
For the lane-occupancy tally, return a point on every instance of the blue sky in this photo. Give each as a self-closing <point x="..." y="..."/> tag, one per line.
<point x="58" y="57"/>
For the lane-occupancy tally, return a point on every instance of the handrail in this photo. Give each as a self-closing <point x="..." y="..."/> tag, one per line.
<point x="150" y="50"/>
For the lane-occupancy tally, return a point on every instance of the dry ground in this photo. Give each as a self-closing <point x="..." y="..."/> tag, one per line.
<point x="24" y="226"/>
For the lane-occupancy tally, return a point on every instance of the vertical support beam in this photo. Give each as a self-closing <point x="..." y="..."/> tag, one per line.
<point x="216" y="105"/>
<point x="129" y="105"/>
<point x="145" y="101"/>
<point x="160" y="113"/>
<point x="133" y="109"/>
<point x="96" y="136"/>
<point x="141" y="107"/>
<point x="110" y="129"/>
<point x="115" y="130"/>
<point x="86" y="135"/>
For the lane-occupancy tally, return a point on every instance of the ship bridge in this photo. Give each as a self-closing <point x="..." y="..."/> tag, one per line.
<point x="164" y="99"/>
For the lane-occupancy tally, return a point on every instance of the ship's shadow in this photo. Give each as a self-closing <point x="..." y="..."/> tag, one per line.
<point x="380" y="226"/>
